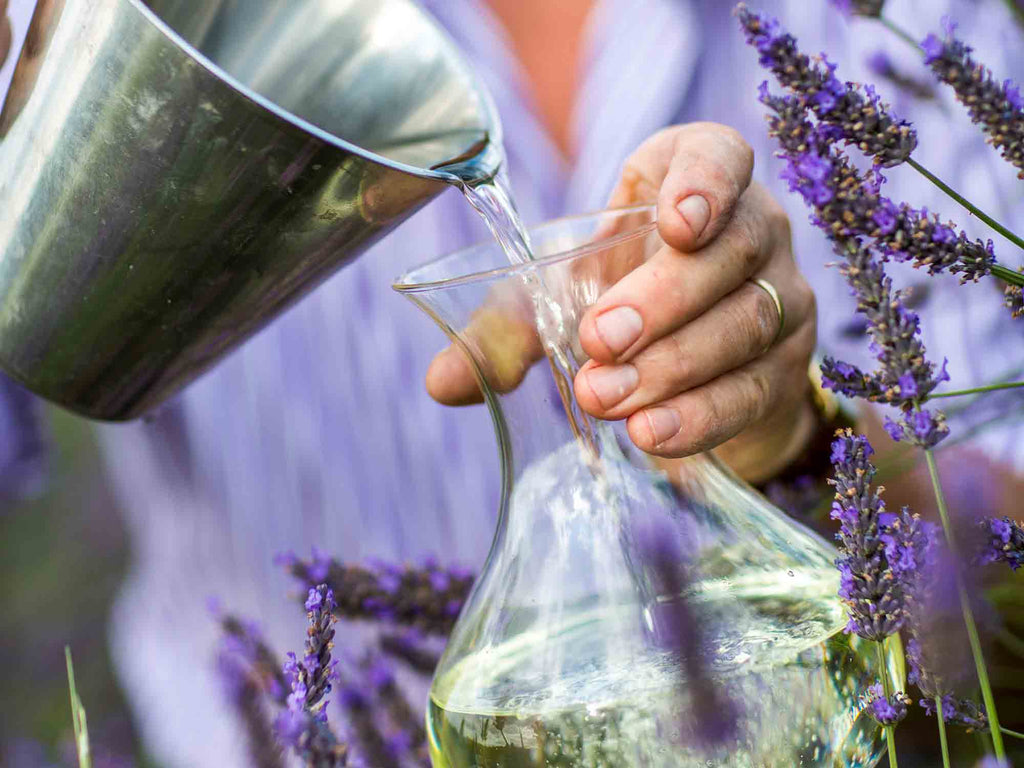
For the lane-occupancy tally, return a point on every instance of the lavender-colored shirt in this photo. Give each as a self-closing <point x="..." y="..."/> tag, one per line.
<point x="318" y="432"/>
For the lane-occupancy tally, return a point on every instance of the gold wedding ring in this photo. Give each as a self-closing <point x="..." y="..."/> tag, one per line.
<point x="768" y="288"/>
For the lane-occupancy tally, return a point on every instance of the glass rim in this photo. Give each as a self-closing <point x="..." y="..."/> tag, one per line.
<point x="403" y="284"/>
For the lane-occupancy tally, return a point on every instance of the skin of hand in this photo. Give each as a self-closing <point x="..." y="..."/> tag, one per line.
<point x="682" y="346"/>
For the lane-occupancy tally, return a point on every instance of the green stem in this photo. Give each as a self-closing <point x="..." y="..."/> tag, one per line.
<point x="901" y="33"/>
<point x="1016" y="10"/>
<point x="890" y="731"/>
<point x="1015" y="734"/>
<point x="1006" y="274"/>
<point x="975" y="390"/>
<point x="973" y="209"/>
<point x="942" y="732"/>
<point x="965" y="606"/>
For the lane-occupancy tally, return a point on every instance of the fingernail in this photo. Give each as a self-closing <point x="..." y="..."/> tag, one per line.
<point x="612" y="384"/>
<point x="619" y="328"/>
<point x="696" y="211"/>
<point x="663" y="423"/>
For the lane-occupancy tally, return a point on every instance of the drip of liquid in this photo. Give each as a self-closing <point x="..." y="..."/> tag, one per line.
<point x="494" y="202"/>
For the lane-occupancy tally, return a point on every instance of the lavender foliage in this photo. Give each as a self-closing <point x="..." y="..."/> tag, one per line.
<point x="1002" y="542"/>
<point x="427" y="597"/>
<point x="880" y="551"/>
<point x="887" y="710"/>
<point x="997" y="108"/>
<point x="856" y="115"/>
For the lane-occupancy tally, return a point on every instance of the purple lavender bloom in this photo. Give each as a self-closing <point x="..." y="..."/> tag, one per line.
<point x="313" y="676"/>
<point x="1014" y="300"/>
<point x="991" y="761"/>
<point x="857" y="114"/>
<point x="849" y="205"/>
<point x="879" y="551"/>
<point x="887" y="711"/>
<point x="1002" y="542"/>
<point x="427" y="597"/>
<point x="996" y="107"/>
<point x="920" y="426"/>
<point x="956" y="711"/>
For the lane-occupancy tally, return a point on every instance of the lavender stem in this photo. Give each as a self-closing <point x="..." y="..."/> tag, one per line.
<point x="897" y="30"/>
<point x="942" y="731"/>
<point x="1016" y="10"/>
<point x="974" y="210"/>
<point x="1015" y="734"/>
<point x="965" y="606"/>
<point x="1011" y="642"/>
<point x="890" y="730"/>
<point x="976" y="390"/>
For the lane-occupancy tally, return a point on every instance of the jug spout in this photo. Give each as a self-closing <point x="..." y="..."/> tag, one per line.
<point x="175" y="173"/>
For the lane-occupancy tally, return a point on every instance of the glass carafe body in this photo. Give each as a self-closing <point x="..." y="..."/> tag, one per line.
<point x="568" y="651"/>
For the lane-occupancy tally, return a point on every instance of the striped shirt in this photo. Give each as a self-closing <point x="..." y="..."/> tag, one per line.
<point x="319" y="432"/>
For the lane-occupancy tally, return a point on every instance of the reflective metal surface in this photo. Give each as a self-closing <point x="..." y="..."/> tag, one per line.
<point x="174" y="174"/>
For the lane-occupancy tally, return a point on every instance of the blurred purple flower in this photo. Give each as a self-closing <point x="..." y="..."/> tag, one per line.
<point x="428" y="597"/>
<point x="956" y="711"/>
<point x="1002" y="542"/>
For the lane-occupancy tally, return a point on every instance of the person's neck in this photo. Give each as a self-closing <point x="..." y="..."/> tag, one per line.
<point x="547" y="39"/>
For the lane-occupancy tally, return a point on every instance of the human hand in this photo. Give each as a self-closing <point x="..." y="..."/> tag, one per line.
<point x="701" y="359"/>
<point x="685" y="347"/>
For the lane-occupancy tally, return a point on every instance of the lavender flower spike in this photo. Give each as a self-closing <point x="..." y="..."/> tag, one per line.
<point x="1003" y="542"/>
<point x="879" y="550"/>
<point x="998" y="109"/>
<point x="858" y="117"/>
<point x="428" y="598"/>
<point x="847" y="204"/>
<point x="303" y="724"/>
<point x="887" y="710"/>
<point x="962" y="712"/>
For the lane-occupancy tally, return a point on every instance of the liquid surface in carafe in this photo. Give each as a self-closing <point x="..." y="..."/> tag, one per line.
<point x="629" y="714"/>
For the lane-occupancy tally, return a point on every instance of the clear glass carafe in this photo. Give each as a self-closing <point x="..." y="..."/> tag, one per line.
<point x="577" y="646"/>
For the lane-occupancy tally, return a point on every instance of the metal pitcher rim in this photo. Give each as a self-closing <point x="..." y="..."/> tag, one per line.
<point x="494" y="129"/>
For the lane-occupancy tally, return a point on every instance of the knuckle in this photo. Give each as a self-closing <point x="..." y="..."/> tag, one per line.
<point x="755" y="318"/>
<point x="705" y="419"/>
<point x="757" y="393"/>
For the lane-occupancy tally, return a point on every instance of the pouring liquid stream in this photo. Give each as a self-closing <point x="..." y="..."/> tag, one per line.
<point x="494" y="202"/>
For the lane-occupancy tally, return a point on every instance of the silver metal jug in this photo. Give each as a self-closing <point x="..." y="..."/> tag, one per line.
<point x="173" y="174"/>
